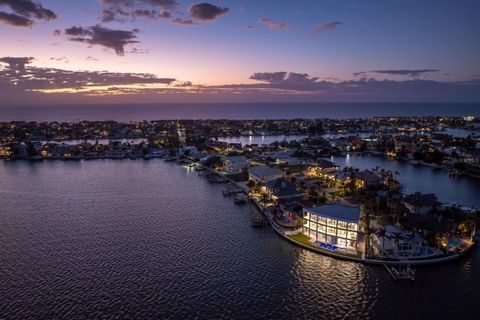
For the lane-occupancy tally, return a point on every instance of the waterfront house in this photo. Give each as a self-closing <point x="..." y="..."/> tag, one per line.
<point x="6" y="151"/>
<point x="263" y="174"/>
<point x="235" y="164"/>
<point x="322" y="168"/>
<point x="419" y="203"/>
<point x="284" y="158"/>
<point x="334" y="224"/>
<point x="366" y="180"/>
<point x="281" y="189"/>
<point x="395" y="242"/>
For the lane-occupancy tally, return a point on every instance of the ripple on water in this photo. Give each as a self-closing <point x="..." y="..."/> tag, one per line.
<point x="149" y="240"/>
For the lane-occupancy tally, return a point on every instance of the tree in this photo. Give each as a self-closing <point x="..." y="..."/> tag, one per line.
<point x="213" y="162"/>
<point x="367" y="230"/>
<point x="264" y="200"/>
<point x="382" y="233"/>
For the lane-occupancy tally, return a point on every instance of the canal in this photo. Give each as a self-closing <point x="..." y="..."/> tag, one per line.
<point x="462" y="190"/>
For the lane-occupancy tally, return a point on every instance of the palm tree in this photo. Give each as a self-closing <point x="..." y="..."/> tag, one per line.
<point x="368" y="237"/>
<point x="264" y="200"/>
<point x="382" y="233"/>
<point x="365" y="219"/>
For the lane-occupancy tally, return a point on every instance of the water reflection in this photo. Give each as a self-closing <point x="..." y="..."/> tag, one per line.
<point x="149" y="240"/>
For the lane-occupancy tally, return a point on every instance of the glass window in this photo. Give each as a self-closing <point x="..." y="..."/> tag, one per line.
<point x="313" y="226"/>
<point x="341" y="233"/>
<point x="353" y="226"/>
<point x="331" y="231"/>
<point x="352" y="235"/>
<point x="321" y="236"/>
<point x="332" y="222"/>
<point x="342" y="242"/>
<point x="342" y="224"/>
<point x="322" y="228"/>
<point x="322" y="220"/>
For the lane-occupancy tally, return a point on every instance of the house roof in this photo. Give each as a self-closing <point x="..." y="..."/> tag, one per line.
<point x="264" y="171"/>
<point x="282" y="188"/>
<point x="337" y="211"/>
<point x="368" y="176"/>
<point x="236" y="158"/>
<point x="325" y="164"/>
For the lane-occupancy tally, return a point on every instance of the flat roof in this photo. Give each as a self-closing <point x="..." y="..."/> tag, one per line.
<point x="337" y="211"/>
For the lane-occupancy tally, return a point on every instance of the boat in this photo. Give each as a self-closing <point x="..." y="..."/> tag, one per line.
<point x="240" y="198"/>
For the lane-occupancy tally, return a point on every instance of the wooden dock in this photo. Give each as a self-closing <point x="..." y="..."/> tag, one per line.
<point x="401" y="272"/>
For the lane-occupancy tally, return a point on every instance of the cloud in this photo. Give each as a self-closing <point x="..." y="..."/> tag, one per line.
<point x="206" y="11"/>
<point x="119" y="10"/>
<point x="60" y="59"/>
<point x="25" y="12"/>
<point x="17" y="63"/>
<point x="15" y="20"/>
<point x="167" y="4"/>
<point x="324" y="27"/>
<point x="17" y="76"/>
<point x="269" y="76"/>
<point x="406" y="72"/>
<point x="22" y="83"/>
<point x="360" y="74"/>
<point x="414" y="73"/>
<point x="274" y="25"/>
<point x="98" y="35"/>
<point x="248" y="27"/>
<point x="184" y="22"/>
<point x="303" y="87"/>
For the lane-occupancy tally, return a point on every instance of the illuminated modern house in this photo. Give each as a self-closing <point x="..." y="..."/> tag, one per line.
<point x="334" y="224"/>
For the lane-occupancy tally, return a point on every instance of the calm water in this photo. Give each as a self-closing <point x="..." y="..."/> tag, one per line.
<point x="461" y="190"/>
<point x="150" y="240"/>
<point x="462" y="133"/>
<point x="244" y="140"/>
<point x="139" y="112"/>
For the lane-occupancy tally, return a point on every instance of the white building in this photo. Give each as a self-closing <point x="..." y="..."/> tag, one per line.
<point x="333" y="224"/>
<point x="395" y="243"/>
<point x="235" y="164"/>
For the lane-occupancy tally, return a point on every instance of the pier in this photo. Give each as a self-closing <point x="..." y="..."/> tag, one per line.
<point x="401" y="272"/>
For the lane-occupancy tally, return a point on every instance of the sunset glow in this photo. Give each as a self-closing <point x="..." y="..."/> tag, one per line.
<point x="326" y="50"/>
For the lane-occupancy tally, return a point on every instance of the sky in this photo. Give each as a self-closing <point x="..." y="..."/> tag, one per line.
<point x="125" y="51"/>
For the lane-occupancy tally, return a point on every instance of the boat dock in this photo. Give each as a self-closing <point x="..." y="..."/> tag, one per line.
<point x="401" y="272"/>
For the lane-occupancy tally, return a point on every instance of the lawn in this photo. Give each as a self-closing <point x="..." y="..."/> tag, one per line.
<point x="305" y="240"/>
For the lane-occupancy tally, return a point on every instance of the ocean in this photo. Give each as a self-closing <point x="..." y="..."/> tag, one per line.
<point x="140" y="112"/>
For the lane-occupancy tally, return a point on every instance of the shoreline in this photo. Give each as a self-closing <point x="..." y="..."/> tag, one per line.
<point x="413" y="262"/>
